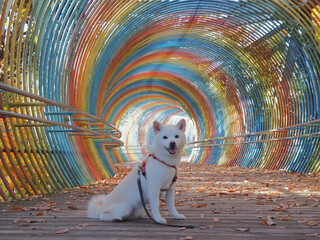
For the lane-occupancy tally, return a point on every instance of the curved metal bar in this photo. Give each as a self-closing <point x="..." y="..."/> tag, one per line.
<point x="5" y="87"/>
<point x="53" y="123"/>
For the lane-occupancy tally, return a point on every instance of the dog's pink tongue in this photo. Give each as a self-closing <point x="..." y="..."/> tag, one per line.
<point x="172" y="151"/>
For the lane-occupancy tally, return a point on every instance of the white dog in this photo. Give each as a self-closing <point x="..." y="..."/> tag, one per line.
<point x="158" y="174"/>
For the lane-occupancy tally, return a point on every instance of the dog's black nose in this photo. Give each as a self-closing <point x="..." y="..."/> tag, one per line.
<point x="172" y="144"/>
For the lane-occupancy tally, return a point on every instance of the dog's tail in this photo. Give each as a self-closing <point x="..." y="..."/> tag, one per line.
<point x="95" y="206"/>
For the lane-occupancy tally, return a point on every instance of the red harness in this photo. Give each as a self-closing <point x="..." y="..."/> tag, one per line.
<point x="142" y="167"/>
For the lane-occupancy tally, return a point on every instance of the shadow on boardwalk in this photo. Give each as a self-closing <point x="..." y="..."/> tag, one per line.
<point x="223" y="203"/>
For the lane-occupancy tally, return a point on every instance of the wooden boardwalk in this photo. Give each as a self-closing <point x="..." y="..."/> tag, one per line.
<point x="222" y="203"/>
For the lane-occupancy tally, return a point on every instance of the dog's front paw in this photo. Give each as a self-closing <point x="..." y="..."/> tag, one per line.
<point x="161" y="220"/>
<point x="179" y="217"/>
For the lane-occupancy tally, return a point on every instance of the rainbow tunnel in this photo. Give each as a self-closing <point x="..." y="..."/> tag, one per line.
<point x="243" y="73"/>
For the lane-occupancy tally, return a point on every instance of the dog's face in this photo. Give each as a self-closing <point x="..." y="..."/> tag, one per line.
<point x="169" y="139"/>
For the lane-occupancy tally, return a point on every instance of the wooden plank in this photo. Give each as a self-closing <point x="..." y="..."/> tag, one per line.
<point x="222" y="203"/>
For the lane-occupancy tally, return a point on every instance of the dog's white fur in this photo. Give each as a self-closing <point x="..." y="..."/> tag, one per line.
<point x="124" y="201"/>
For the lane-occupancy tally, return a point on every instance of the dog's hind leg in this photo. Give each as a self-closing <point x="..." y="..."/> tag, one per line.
<point x="106" y="216"/>
<point x="116" y="212"/>
<point x="137" y="212"/>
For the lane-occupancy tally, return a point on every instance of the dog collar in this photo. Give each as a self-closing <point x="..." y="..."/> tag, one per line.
<point x="142" y="167"/>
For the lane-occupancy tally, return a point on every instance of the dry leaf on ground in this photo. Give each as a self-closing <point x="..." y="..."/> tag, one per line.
<point x="206" y="227"/>
<point x="27" y="220"/>
<point x="83" y="225"/>
<point x="312" y="234"/>
<point x="312" y="223"/>
<point x="277" y="209"/>
<point x="216" y="220"/>
<point x="303" y="220"/>
<point x="62" y="231"/>
<point x="242" y="229"/>
<point x="16" y="208"/>
<point x="285" y="218"/>
<point x="187" y="238"/>
<point x="201" y="205"/>
<point x="270" y="221"/>
<point x="71" y="207"/>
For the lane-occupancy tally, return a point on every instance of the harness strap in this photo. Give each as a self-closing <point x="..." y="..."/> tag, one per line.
<point x="142" y="167"/>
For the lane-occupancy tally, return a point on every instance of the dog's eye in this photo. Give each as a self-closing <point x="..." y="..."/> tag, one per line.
<point x="165" y="137"/>
<point x="176" y="136"/>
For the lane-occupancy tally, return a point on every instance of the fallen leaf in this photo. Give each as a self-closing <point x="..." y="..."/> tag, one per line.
<point x="33" y="228"/>
<point x="56" y="209"/>
<point x="187" y="238"/>
<point x="264" y="223"/>
<point x="303" y="220"/>
<point x="206" y="227"/>
<point x="285" y="218"/>
<point x="279" y="227"/>
<point x="62" y="231"/>
<point x="242" y="229"/>
<point x="300" y="204"/>
<point x="230" y="212"/>
<point x="285" y="206"/>
<point x="16" y="208"/>
<point x="71" y="207"/>
<point x="217" y="212"/>
<point x="27" y="220"/>
<point x="312" y="223"/>
<point x="277" y="209"/>
<point x="270" y="221"/>
<point x="312" y="234"/>
<point x="17" y="220"/>
<point x="216" y="220"/>
<point x="84" y="225"/>
<point x="41" y="220"/>
<point x="201" y="205"/>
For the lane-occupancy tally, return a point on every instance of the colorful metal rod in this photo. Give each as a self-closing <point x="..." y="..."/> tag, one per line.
<point x="229" y="67"/>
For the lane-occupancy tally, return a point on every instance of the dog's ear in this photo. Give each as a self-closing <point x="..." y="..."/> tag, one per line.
<point x="182" y="125"/>
<point x="156" y="127"/>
